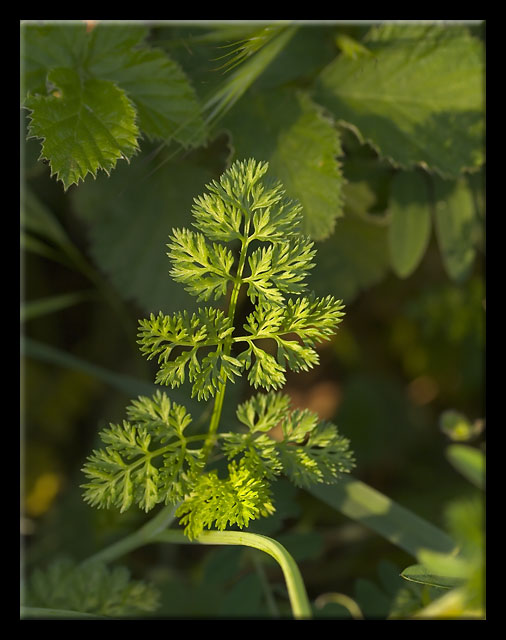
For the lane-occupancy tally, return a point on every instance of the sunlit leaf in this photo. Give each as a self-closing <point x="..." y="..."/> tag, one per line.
<point x="86" y="125"/>
<point x="419" y="573"/>
<point x="236" y="84"/>
<point x="378" y="512"/>
<point x="419" y="98"/>
<point x="469" y="461"/>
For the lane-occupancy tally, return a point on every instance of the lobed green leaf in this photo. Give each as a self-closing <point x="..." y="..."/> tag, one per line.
<point x="91" y="93"/>
<point x="418" y="98"/>
<point x="86" y="124"/>
<point x="163" y="97"/>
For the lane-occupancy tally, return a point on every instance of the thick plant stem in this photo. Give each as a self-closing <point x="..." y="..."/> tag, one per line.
<point x="299" y="602"/>
<point x="139" y="538"/>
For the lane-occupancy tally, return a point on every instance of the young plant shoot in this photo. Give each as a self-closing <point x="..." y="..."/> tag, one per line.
<point x="247" y="241"/>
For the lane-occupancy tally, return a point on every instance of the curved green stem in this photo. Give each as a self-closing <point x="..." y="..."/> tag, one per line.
<point x="139" y="538"/>
<point x="295" y="585"/>
<point x="342" y="599"/>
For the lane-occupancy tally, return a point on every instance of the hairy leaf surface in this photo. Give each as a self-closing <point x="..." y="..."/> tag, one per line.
<point x="418" y="98"/>
<point x="107" y="71"/>
<point x="86" y="125"/>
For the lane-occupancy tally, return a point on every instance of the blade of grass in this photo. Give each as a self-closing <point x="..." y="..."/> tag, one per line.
<point x="237" y="83"/>
<point x="376" y="511"/>
<point x="45" y="353"/>
<point x="36" y="308"/>
<point x="38" y="219"/>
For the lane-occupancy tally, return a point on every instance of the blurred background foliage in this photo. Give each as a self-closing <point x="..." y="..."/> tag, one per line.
<point x="402" y="246"/>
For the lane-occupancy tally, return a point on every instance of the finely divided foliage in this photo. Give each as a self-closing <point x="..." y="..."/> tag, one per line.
<point x="91" y="588"/>
<point x="149" y="459"/>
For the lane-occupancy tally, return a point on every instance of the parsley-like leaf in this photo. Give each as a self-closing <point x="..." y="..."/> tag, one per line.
<point x="124" y="471"/>
<point x="234" y="500"/>
<point x="209" y="327"/>
<point x="242" y="207"/>
<point x="204" y="269"/>
<point x="311" y="451"/>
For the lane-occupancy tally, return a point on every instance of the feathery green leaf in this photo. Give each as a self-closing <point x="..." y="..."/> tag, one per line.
<point x="311" y="451"/>
<point x="322" y="458"/>
<point x="279" y="268"/>
<point x="147" y="459"/>
<point x="208" y="327"/>
<point x="235" y="500"/>
<point x="295" y="329"/>
<point x="204" y="269"/>
<point x="124" y="471"/>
